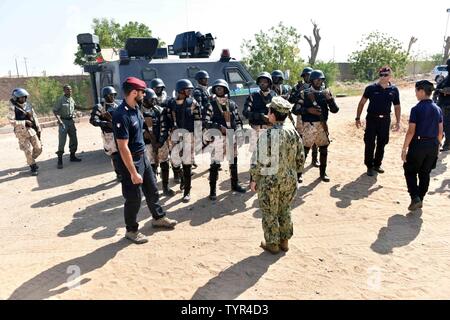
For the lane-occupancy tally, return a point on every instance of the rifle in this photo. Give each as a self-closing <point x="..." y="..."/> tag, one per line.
<point x="148" y="134"/>
<point x="30" y="117"/>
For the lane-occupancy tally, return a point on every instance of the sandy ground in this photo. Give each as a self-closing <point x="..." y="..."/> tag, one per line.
<point x="62" y="232"/>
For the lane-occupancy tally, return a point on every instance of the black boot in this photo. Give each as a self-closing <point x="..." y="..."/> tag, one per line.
<point x="34" y="170"/>
<point x="73" y="158"/>
<point x="323" y="164"/>
<point x="235" y="186"/>
<point x="315" y="162"/>
<point x="165" y="180"/>
<point x="176" y="175"/>
<point x="300" y="177"/>
<point x="187" y="179"/>
<point x="213" y="176"/>
<point x="60" y="161"/>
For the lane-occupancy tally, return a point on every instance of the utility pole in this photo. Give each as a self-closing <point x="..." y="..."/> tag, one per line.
<point x="17" y="68"/>
<point x="26" y="66"/>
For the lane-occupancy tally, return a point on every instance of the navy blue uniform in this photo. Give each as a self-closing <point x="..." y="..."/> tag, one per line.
<point x="444" y="102"/>
<point x="378" y="121"/>
<point x="424" y="148"/>
<point x="128" y="124"/>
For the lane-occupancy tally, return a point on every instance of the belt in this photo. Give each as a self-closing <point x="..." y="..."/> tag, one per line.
<point x="424" y="138"/>
<point x="381" y="116"/>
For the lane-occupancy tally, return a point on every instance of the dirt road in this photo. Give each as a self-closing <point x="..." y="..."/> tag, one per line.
<point x="62" y="232"/>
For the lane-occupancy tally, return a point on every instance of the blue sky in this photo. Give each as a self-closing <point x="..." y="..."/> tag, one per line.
<point x="45" y="31"/>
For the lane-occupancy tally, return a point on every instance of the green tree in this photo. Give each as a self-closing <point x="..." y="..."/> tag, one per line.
<point x="44" y="92"/>
<point x="277" y="48"/>
<point x="113" y="35"/>
<point x="378" y="49"/>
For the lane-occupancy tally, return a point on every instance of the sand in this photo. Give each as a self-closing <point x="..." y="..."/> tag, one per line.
<point x="62" y="232"/>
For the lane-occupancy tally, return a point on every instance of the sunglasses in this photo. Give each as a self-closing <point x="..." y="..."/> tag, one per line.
<point x="384" y="75"/>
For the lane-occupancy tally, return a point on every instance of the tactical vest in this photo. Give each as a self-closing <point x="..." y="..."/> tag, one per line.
<point x="260" y="105"/>
<point x="155" y="115"/>
<point x="183" y="115"/>
<point x="443" y="99"/>
<point x="218" y="116"/>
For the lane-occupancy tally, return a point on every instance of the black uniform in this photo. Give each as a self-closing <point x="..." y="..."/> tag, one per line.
<point x="424" y="148"/>
<point x="202" y="96"/>
<point x="378" y="121"/>
<point x="185" y="116"/>
<point x="443" y="102"/>
<point x="255" y="108"/>
<point x="128" y="123"/>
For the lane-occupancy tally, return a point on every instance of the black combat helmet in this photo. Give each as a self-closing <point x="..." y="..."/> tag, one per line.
<point x="202" y="74"/>
<point x="306" y="71"/>
<point x="150" y="94"/>
<point x="183" y="84"/>
<point x="264" y="75"/>
<point x="19" y="93"/>
<point x="277" y="76"/>
<point x="221" y="83"/>
<point x="106" y="91"/>
<point x="157" y="83"/>
<point x="316" y="74"/>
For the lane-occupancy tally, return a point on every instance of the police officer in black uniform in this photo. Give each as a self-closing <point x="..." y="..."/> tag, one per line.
<point x="378" y="121"/>
<point x="201" y="93"/>
<point x="255" y="107"/>
<point x="101" y="116"/>
<point x="421" y="148"/>
<point x="184" y="113"/>
<point x="155" y="137"/>
<point x="159" y="87"/>
<point x="442" y="97"/>
<point x="295" y="98"/>
<point x="137" y="174"/>
<point x="278" y="84"/>
<point x="318" y="102"/>
<point x="224" y="117"/>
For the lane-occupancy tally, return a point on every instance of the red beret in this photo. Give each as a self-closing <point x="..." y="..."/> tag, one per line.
<point x="137" y="84"/>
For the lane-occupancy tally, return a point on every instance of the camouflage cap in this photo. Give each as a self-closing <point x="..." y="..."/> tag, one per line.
<point x="280" y="104"/>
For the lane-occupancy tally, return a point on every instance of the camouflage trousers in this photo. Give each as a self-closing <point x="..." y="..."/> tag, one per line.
<point x="255" y="134"/>
<point x="163" y="153"/>
<point x="30" y="145"/>
<point x="314" y="134"/>
<point x="275" y="196"/>
<point x="109" y="144"/>
<point x="183" y="151"/>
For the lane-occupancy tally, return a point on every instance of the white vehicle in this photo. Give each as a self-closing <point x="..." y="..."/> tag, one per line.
<point x="439" y="73"/>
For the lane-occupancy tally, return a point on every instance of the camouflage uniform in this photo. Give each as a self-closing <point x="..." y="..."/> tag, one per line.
<point x="280" y="158"/>
<point x="29" y="141"/>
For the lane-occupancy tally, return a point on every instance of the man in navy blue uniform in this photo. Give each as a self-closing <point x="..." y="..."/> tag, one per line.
<point x="136" y="171"/>
<point x="442" y="97"/>
<point x="378" y="121"/>
<point x="421" y="148"/>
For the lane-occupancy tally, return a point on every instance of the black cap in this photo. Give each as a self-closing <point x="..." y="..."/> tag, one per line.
<point x="425" y="85"/>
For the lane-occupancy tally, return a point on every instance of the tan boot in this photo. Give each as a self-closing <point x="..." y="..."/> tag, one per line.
<point x="284" y="245"/>
<point x="272" y="248"/>
<point x="164" y="223"/>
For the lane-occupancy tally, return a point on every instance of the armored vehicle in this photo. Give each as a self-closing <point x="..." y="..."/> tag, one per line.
<point x="142" y="58"/>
